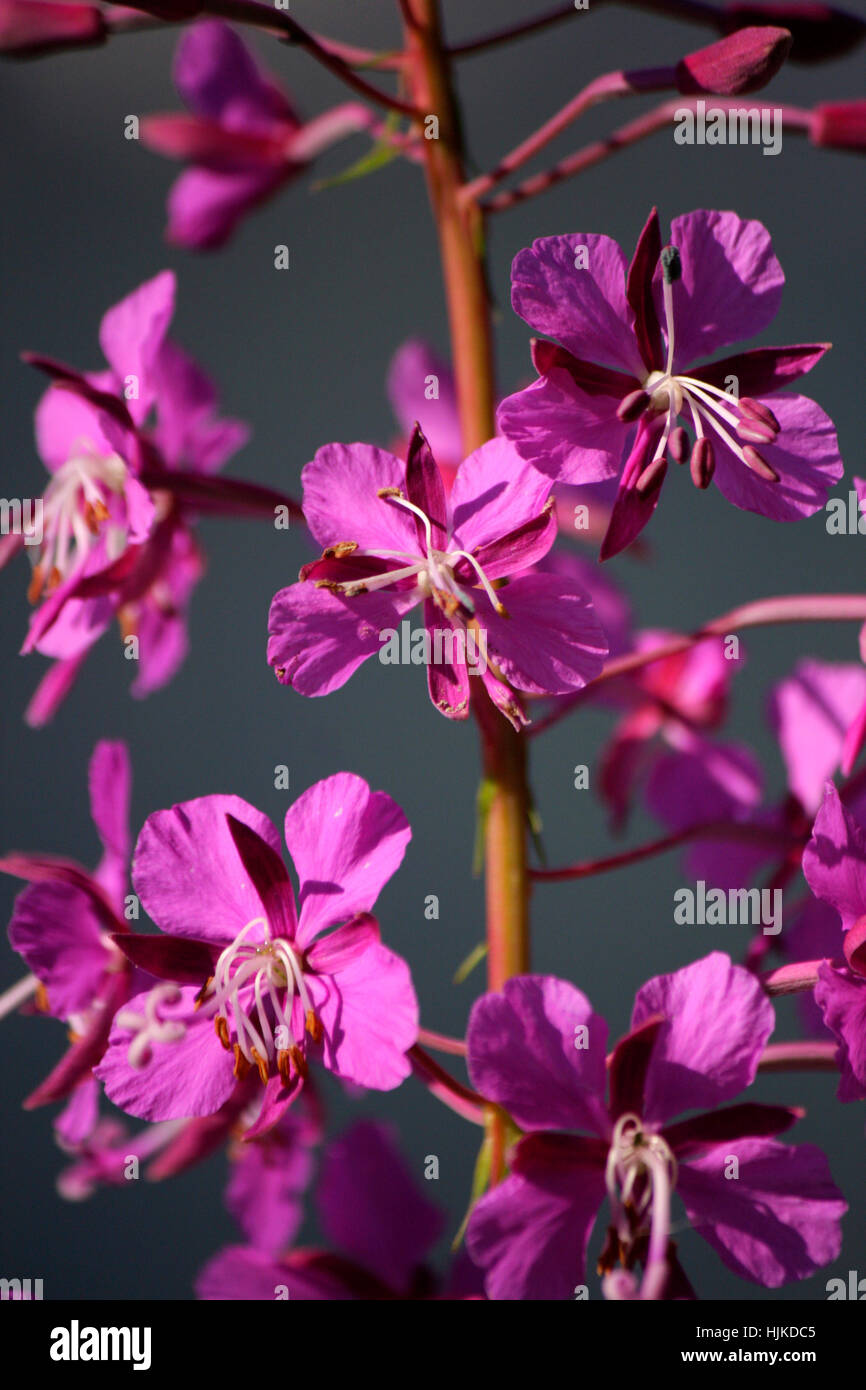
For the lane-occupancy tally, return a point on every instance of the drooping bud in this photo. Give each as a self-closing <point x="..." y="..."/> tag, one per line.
<point x="839" y="125"/>
<point x="702" y="464"/>
<point x="744" y="62"/>
<point x="818" y="31"/>
<point x="29" y="27"/>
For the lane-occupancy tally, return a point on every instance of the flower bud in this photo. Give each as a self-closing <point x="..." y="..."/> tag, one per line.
<point x="817" y="31"/>
<point x="35" y="26"/>
<point x="839" y="125"/>
<point x="743" y="62"/>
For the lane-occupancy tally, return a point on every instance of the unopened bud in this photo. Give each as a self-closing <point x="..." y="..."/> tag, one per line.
<point x="744" y="62"/>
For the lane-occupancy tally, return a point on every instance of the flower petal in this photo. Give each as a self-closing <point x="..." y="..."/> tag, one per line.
<point x="345" y="842"/>
<point x="718" y="1021"/>
<point x="538" y="1049"/>
<point x="584" y="308"/>
<point x="779" y="1221"/>
<point x="188" y="873"/>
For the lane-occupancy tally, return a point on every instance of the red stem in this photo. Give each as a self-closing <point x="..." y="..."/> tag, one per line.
<point x="721" y="830"/>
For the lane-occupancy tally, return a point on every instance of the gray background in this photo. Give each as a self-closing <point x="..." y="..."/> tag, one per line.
<point x="302" y="355"/>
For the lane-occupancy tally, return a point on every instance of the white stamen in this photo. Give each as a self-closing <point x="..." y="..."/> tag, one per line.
<point x="148" y="1027"/>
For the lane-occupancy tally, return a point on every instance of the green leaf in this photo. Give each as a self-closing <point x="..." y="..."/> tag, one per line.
<point x="476" y="955"/>
<point x="376" y="158"/>
<point x="480" y="1184"/>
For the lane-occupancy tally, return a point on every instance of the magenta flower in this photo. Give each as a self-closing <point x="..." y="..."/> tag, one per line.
<point x="610" y="399"/>
<point x="696" y="1038"/>
<point x="422" y="391"/>
<point x="132" y="451"/>
<point x="392" y="541"/>
<point x="811" y="712"/>
<point x="379" y="1224"/>
<point x="242" y="138"/>
<point x="834" y="863"/>
<point x="65" y="925"/>
<point x="249" y="985"/>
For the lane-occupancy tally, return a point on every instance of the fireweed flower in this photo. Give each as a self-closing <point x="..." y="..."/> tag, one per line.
<point x="834" y="863"/>
<point x="65" y="925"/>
<point x="696" y="1037"/>
<point x="379" y="1225"/>
<point x="242" y="137"/>
<point x="250" y="986"/>
<point x="392" y="541"/>
<point x="618" y="394"/>
<point x="133" y="452"/>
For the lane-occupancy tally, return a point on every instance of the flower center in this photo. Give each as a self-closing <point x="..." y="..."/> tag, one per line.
<point x="74" y="509"/>
<point x="740" y="423"/>
<point x="252" y="991"/>
<point x="433" y="571"/>
<point x="640" y="1175"/>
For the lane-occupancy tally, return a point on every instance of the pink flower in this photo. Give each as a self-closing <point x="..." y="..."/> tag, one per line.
<point x="696" y="1038"/>
<point x="834" y="863"/>
<point x="65" y="926"/>
<point x="249" y="984"/>
<point x="379" y="1224"/>
<point x="610" y="400"/>
<point x="243" y="139"/>
<point x="392" y="541"/>
<point x="28" y="27"/>
<point x="132" y="452"/>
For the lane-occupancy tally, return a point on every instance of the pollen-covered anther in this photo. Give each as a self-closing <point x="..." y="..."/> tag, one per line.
<point x="338" y="551"/>
<point x="299" y="1060"/>
<point x="36" y="585"/>
<point x="284" y="1065"/>
<point x="314" y="1025"/>
<point x="40" y="998"/>
<point x="200" y="997"/>
<point x="221" y="1028"/>
<point x="386" y="492"/>
<point x="242" y="1067"/>
<point x="262" y="1065"/>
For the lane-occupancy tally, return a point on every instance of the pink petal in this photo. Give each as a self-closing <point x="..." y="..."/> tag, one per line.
<point x="569" y="435"/>
<point x="369" y="1013"/>
<point x="718" y="1020"/>
<point x="345" y="842"/>
<point x="779" y="1221"/>
<point x="731" y="284"/>
<point x="584" y="309"/>
<point x="811" y="711"/>
<point x="524" y="1053"/>
<point x="188" y="873"/>
<point x="132" y="332"/>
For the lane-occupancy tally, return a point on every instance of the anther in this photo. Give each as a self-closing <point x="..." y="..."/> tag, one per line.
<point x="314" y="1025"/>
<point x="759" y="465"/>
<point x="756" y="410"/>
<point x="652" y="477"/>
<point x="632" y="406"/>
<point x="299" y="1061"/>
<point x="200" y="997"/>
<point x="678" y="444"/>
<point x="702" y="464"/>
<point x="755" y="431"/>
<point x="221" y="1029"/>
<point x="337" y="552"/>
<point x="284" y="1066"/>
<point x="672" y="266"/>
<point x="242" y="1066"/>
<point x="262" y="1064"/>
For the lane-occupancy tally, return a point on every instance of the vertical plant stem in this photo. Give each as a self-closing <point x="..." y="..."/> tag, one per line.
<point x="460" y="234"/>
